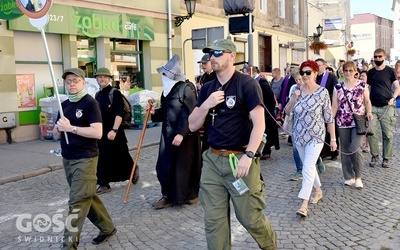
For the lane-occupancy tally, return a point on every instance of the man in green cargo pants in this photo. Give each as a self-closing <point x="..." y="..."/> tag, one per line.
<point x="230" y="170"/>
<point x="82" y="124"/>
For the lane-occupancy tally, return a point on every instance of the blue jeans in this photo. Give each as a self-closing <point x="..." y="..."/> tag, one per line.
<point x="297" y="160"/>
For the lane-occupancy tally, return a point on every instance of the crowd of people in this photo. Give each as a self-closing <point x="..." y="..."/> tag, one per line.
<point x="235" y="110"/>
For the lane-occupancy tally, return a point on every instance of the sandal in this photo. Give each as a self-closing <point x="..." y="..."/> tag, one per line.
<point x="302" y="211"/>
<point x="316" y="198"/>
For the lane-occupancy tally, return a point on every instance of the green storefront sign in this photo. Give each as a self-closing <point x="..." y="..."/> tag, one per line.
<point x="9" y="10"/>
<point x="91" y="23"/>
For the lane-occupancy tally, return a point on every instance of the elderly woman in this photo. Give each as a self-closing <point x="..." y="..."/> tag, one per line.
<point x="311" y="108"/>
<point x="351" y="96"/>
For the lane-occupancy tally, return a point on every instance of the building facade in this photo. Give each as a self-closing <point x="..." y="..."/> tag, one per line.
<point x="134" y="38"/>
<point x="395" y="52"/>
<point x="370" y="32"/>
<point x="129" y="37"/>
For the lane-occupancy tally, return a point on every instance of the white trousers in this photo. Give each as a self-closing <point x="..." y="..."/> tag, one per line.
<point x="309" y="155"/>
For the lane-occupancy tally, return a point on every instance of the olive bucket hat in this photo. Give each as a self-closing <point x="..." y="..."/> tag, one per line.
<point x="103" y="72"/>
<point x="75" y="71"/>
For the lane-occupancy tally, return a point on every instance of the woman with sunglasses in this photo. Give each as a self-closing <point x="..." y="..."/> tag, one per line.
<point x="311" y="107"/>
<point x="355" y="93"/>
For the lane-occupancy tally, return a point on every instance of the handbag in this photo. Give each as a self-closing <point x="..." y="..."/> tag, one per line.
<point x="288" y="124"/>
<point x="361" y="121"/>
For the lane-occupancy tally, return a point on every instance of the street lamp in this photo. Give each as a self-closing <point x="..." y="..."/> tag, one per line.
<point x="315" y="36"/>
<point x="190" y="8"/>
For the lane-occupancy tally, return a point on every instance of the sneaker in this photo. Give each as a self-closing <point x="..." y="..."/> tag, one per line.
<point x="385" y="163"/>
<point x="296" y="176"/>
<point x="103" y="189"/>
<point x="374" y="161"/>
<point x="359" y="184"/>
<point x="320" y="167"/>
<point x="349" y="182"/>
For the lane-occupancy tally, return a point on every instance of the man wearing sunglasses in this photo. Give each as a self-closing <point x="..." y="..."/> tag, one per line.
<point x="381" y="79"/>
<point x="231" y="135"/>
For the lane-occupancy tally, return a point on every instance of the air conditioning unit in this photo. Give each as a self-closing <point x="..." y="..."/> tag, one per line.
<point x="7" y="120"/>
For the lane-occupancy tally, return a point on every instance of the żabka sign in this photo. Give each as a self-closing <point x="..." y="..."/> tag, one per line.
<point x="9" y="10"/>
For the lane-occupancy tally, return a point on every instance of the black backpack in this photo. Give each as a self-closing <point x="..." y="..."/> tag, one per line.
<point x="127" y="116"/>
<point x="182" y="90"/>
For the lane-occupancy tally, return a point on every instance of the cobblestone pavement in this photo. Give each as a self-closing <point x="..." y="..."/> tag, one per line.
<point x="346" y="218"/>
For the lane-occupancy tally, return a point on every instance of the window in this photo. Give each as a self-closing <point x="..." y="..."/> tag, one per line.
<point x="263" y="5"/>
<point x="281" y="8"/>
<point x="86" y="54"/>
<point x="296" y="12"/>
<point x="125" y="61"/>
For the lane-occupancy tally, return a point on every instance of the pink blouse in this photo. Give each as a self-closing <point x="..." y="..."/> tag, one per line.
<point x="344" y="116"/>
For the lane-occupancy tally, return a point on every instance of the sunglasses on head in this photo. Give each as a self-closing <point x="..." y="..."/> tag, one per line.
<point x="307" y="72"/>
<point x="217" y="53"/>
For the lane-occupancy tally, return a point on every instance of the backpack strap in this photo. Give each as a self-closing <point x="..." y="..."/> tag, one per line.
<point x="111" y="95"/>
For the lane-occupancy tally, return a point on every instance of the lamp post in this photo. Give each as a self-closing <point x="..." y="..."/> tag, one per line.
<point x="190" y="8"/>
<point x="315" y="36"/>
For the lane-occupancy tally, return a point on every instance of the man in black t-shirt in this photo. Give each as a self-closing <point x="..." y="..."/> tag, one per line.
<point x="381" y="79"/>
<point x="231" y="137"/>
<point x="82" y="125"/>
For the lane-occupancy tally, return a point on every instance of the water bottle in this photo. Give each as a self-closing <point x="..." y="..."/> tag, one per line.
<point x="262" y="145"/>
<point x="56" y="151"/>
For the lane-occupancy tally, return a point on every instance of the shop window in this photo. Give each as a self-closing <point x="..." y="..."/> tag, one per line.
<point x="125" y="61"/>
<point x="86" y="54"/>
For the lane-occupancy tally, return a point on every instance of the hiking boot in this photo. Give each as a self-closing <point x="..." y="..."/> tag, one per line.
<point x="385" y="163"/>
<point x="296" y="176"/>
<point x="162" y="203"/>
<point x="374" y="161"/>
<point x="102" y="237"/>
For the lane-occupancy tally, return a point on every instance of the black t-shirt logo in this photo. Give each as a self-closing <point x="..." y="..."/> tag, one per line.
<point x="230" y="101"/>
<point x="78" y="113"/>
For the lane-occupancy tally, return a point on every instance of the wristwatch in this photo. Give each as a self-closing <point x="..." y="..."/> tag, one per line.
<point x="74" y="130"/>
<point x="115" y="130"/>
<point x="249" y="154"/>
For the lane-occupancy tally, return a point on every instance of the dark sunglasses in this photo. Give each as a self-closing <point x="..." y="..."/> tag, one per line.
<point x="217" y="53"/>
<point x="380" y="56"/>
<point x="307" y="72"/>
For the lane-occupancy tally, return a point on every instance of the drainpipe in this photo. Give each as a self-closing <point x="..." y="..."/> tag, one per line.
<point x="169" y="30"/>
<point x="306" y="29"/>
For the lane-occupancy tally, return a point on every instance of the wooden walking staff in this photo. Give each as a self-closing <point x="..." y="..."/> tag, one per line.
<point x="39" y="17"/>
<point x="146" y="119"/>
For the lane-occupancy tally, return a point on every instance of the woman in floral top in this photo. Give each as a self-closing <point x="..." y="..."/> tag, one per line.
<point x="312" y="109"/>
<point x="356" y="92"/>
